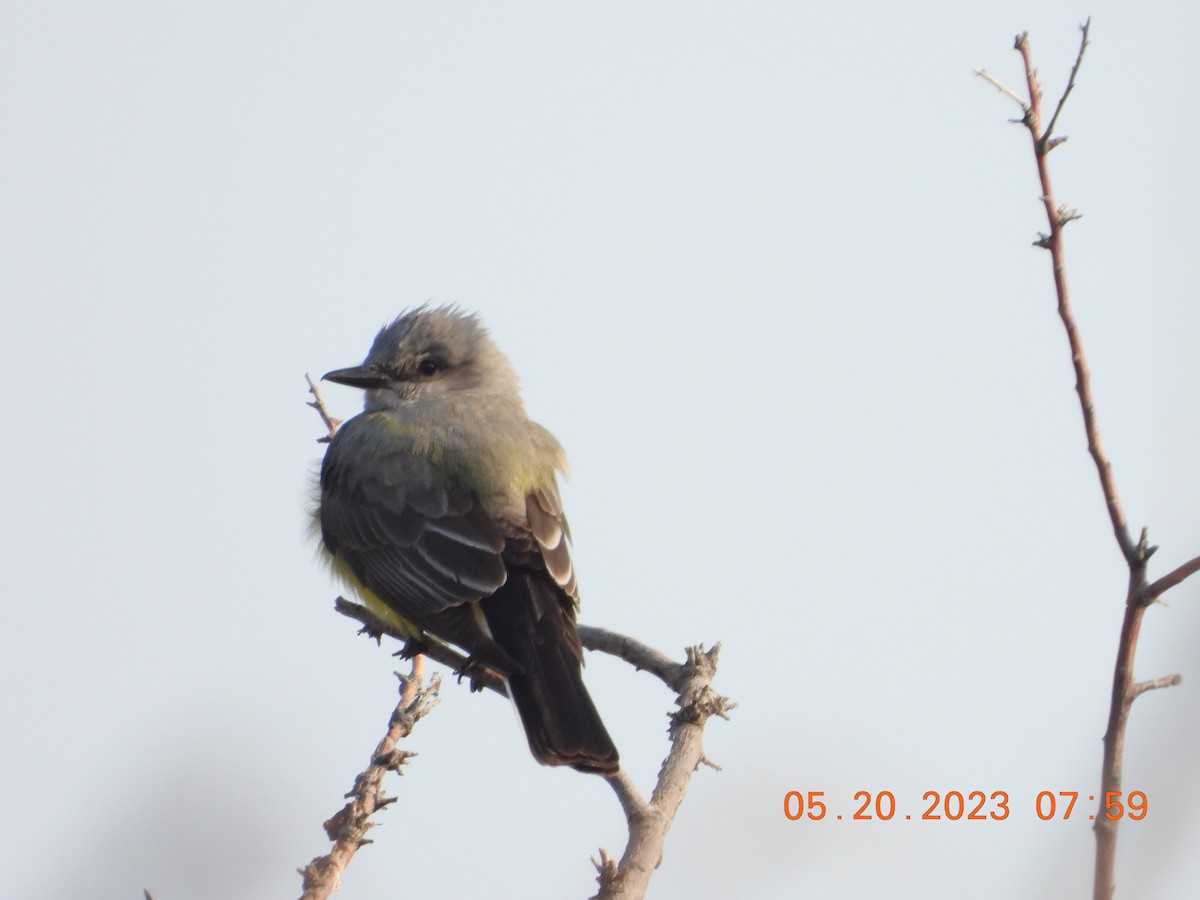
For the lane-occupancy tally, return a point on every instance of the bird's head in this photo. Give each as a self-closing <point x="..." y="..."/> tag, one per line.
<point x="427" y="353"/>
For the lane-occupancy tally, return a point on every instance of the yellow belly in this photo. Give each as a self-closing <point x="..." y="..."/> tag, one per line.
<point x="369" y="599"/>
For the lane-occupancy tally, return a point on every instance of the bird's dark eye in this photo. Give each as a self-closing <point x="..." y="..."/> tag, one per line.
<point x="428" y="367"/>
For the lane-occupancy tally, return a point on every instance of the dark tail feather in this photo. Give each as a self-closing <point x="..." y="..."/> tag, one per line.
<point x="534" y="622"/>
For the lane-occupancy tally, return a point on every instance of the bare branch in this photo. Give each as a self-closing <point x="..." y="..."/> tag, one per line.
<point x="649" y="822"/>
<point x="1054" y="243"/>
<point x="318" y="403"/>
<point x="349" y="826"/>
<point x="1168" y="581"/>
<point x="633" y="652"/>
<point x="1002" y="88"/>
<point x="1138" y="594"/>
<point x="1166" y="681"/>
<point x="1122" y="698"/>
<point x="1047" y="146"/>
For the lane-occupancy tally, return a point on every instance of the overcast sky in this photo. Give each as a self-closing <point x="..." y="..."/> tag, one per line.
<point x="764" y="269"/>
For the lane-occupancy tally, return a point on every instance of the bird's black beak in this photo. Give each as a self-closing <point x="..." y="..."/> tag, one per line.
<point x="363" y="376"/>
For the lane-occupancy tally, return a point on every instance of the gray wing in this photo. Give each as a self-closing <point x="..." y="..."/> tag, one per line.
<point x="420" y="543"/>
<point x="548" y="524"/>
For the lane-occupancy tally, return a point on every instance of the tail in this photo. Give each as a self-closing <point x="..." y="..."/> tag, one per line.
<point x="534" y="622"/>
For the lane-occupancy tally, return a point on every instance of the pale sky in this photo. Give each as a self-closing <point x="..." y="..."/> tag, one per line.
<point x="764" y="269"/>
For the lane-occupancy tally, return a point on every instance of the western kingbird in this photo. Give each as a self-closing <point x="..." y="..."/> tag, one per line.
<point x="439" y="506"/>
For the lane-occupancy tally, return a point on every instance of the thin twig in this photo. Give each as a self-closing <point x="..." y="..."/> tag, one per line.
<point x="318" y="403"/>
<point x="1002" y="87"/>
<point x="1083" y="45"/>
<point x="349" y="826"/>
<point x="1168" y="581"/>
<point x="1166" y="681"/>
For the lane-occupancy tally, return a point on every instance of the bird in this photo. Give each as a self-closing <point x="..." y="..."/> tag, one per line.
<point x="439" y="506"/>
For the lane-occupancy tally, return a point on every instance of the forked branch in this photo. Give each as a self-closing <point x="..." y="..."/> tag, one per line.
<point x="1137" y="554"/>
<point x="649" y="822"/>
